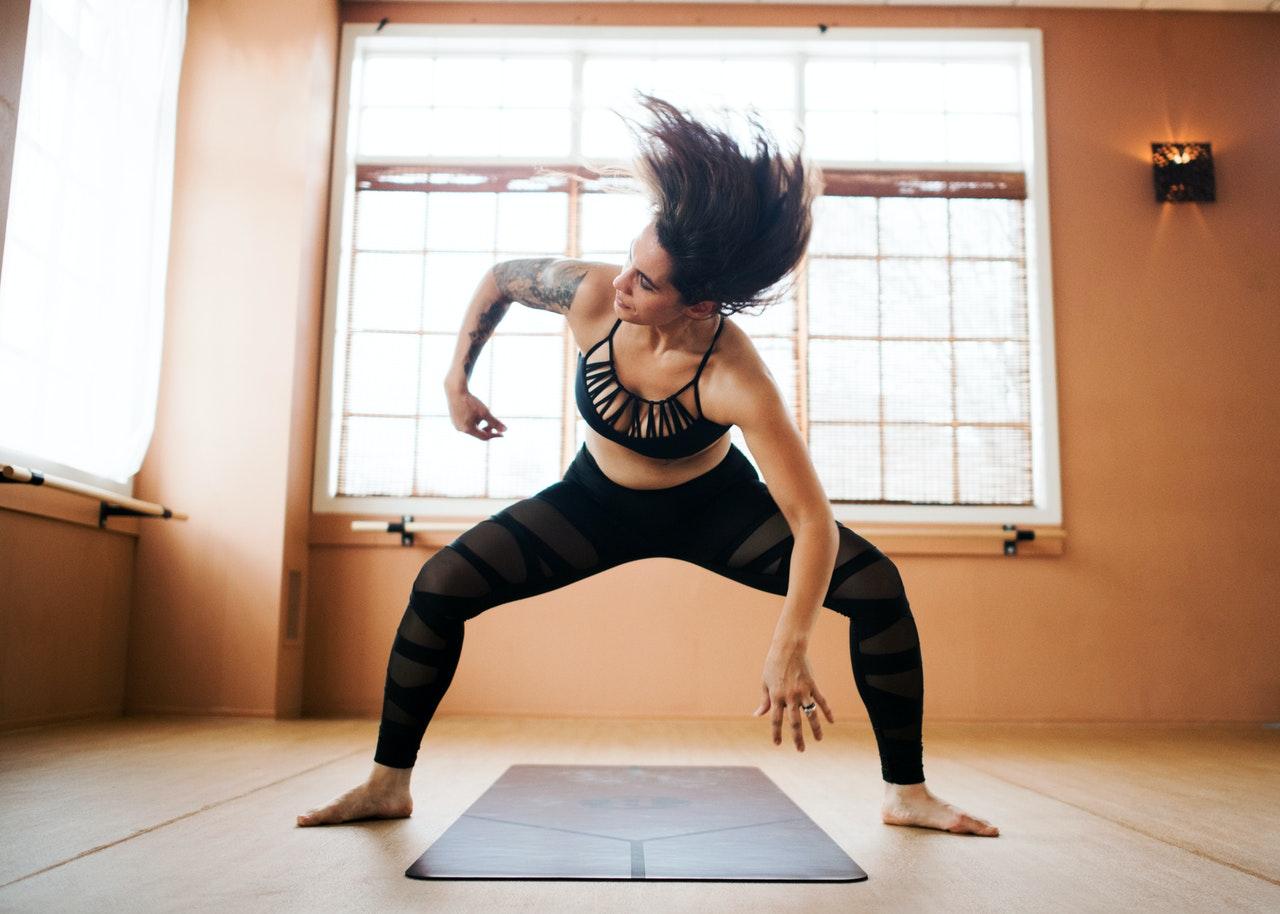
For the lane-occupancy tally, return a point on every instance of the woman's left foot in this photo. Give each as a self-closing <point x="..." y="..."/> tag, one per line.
<point x="913" y="804"/>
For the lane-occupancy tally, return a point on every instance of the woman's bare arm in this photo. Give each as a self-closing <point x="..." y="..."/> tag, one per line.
<point x="545" y="283"/>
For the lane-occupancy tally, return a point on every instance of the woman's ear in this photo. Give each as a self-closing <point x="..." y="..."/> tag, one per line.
<point x="703" y="310"/>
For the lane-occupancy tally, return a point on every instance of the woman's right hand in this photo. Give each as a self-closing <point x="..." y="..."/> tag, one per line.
<point x="468" y="413"/>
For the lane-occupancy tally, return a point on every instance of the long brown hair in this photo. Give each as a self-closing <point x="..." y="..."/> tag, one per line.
<point x="735" y="221"/>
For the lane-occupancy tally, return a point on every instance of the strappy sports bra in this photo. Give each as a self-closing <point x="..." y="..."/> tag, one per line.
<point x="668" y="429"/>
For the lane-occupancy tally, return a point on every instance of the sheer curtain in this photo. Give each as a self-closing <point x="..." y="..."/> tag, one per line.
<point x="87" y="239"/>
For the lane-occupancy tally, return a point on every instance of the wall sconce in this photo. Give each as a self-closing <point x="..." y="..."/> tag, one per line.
<point x="1183" y="172"/>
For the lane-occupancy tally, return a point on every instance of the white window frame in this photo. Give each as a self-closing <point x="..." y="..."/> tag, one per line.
<point x="1047" y="493"/>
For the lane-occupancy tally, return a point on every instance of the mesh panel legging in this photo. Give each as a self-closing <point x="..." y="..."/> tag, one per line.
<point x="724" y="520"/>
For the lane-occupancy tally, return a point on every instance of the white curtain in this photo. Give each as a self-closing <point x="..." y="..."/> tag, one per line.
<point x="87" y="240"/>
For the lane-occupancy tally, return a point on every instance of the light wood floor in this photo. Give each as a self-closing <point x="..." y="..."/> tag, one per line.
<point x="197" y="814"/>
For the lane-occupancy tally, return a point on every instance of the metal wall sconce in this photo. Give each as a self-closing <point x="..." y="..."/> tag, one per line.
<point x="1183" y="172"/>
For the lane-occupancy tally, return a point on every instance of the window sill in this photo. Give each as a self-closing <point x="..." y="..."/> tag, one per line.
<point x="896" y="539"/>
<point x="60" y="505"/>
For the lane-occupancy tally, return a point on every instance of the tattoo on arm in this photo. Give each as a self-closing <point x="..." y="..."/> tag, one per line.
<point x="545" y="283"/>
<point x="489" y="319"/>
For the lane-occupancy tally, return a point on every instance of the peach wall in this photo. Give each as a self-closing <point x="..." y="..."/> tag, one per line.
<point x="65" y="592"/>
<point x="237" y="390"/>
<point x="1163" y="605"/>
<point x="13" y="43"/>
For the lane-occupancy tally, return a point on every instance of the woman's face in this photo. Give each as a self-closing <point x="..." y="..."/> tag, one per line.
<point x="643" y="294"/>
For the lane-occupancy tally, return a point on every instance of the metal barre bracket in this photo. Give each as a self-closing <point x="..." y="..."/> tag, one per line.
<point x="106" y="509"/>
<point x="1011" y="545"/>
<point x="406" y="536"/>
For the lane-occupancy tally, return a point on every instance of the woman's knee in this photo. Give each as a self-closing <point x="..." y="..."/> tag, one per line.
<point x="863" y="571"/>
<point x="449" y="574"/>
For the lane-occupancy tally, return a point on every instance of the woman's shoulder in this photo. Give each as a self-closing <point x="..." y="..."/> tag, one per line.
<point x="735" y="367"/>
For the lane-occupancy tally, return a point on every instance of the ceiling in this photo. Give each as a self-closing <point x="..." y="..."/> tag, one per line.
<point x="1219" y="6"/>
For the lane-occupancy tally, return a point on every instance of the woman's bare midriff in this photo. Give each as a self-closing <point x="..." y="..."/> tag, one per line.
<point x="635" y="471"/>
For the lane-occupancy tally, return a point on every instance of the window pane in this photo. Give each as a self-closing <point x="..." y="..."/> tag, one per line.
<point x="397" y="81"/>
<point x="844" y="225"/>
<point x="769" y="84"/>
<point x="847" y="458"/>
<point x="450" y="463"/>
<point x="911" y="137"/>
<point x="981" y="87"/>
<point x="533" y="132"/>
<point x="462" y="221"/>
<point x="909" y="86"/>
<point x="450" y="281"/>
<point x="983" y="138"/>
<point x="917" y="381"/>
<point x="377" y="456"/>
<point x="842" y="136"/>
<point x="390" y="220"/>
<point x="994" y="465"/>
<point x="986" y="228"/>
<point x="993" y="382"/>
<point x="536" y="82"/>
<point x="395" y="131"/>
<point x="611" y="221"/>
<point x="779" y="356"/>
<point x="382" y="371"/>
<point x="524" y="458"/>
<point x="990" y="298"/>
<point x="532" y="222"/>
<point x="909" y="226"/>
<point x="437" y="356"/>
<point x="469" y="82"/>
<point x="529" y="376"/>
<point x="689" y="82"/>
<point x="914" y="299"/>
<point x="918" y="464"/>
<point x="610" y="81"/>
<point x="844" y="381"/>
<point x="775" y="320"/>
<point x="605" y="136"/>
<point x="840" y="85"/>
<point x="465" y="132"/>
<point x="387" y="292"/>
<point x="844" y="298"/>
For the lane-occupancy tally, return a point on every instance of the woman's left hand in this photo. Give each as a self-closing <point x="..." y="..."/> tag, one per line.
<point x="788" y="683"/>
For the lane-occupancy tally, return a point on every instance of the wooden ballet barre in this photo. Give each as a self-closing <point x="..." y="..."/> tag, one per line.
<point x="110" y="504"/>
<point x="1009" y="534"/>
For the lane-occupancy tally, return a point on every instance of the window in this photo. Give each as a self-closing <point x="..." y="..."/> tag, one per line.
<point x="87" y="238"/>
<point x="914" y="353"/>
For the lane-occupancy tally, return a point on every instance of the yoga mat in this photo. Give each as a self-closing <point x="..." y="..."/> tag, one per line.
<point x="628" y="822"/>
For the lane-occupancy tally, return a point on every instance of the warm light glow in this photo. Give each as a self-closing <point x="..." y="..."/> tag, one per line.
<point x="1182" y="172"/>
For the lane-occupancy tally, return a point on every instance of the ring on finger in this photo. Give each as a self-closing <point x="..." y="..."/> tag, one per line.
<point x="809" y="708"/>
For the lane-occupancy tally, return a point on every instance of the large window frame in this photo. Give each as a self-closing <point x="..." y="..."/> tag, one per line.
<point x="358" y="39"/>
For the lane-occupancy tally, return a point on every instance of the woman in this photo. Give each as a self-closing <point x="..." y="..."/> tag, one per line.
<point x="658" y="476"/>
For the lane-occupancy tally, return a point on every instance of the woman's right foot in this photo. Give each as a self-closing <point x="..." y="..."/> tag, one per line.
<point x="364" y="802"/>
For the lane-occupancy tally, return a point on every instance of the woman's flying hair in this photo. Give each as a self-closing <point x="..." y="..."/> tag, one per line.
<point x="734" y="221"/>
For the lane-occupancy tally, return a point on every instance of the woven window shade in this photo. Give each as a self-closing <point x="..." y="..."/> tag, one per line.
<point x="905" y="355"/>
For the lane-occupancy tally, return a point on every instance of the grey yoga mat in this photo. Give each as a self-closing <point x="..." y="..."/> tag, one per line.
<point x="628" y="822"/>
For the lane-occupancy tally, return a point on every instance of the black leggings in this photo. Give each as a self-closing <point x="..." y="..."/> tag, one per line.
<point x="724" y="520"/>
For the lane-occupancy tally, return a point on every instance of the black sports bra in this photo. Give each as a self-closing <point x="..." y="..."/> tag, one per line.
<point x="668" y="429"/>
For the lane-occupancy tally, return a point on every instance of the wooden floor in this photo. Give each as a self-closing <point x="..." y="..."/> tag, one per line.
<point x="197" y="814"/>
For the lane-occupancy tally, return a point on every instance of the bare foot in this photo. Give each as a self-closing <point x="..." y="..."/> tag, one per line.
<point x="384" y="796"/>
<point x="913" y="804"/>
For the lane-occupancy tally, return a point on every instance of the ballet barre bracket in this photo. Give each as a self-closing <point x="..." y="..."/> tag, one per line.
<point x="406" y="536"/>
<point x="106" y="509"/>
<point x="1011" y="543"/>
